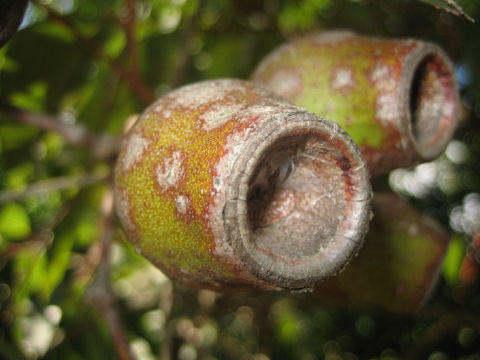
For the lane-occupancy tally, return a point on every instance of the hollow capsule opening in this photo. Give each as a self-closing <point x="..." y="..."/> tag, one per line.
<point x="297" y="198"/>
<point x="433" y="103"/>
<point x="300" y="204"/>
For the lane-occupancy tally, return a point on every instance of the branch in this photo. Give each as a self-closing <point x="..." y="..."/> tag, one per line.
<point x="184" y="56"/>
<point x="129" y="25"/>
<point x="100" y="294"/>
<point x="141" y="90"/>
<point x="102" y="147"/>
<point x="58" y="183"/>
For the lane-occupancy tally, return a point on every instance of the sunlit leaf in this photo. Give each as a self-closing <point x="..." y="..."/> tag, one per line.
<point x="30" y="266"/>
<point x="57" y="265"/>
<point x="14" y="221"/>
<point x="453" y="259"/>
<point x="19" y="175"/>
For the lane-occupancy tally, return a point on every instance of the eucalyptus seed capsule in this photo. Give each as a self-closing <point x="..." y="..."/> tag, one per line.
<point x="221" y="184"/>
<point x="397" y="98"/>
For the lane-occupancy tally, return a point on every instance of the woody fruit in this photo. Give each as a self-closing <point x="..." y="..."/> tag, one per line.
<point x="223" y="185"/>
<point x="397" y="98"/>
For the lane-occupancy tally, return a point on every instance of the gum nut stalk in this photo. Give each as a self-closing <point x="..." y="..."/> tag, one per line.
<point x="399" y="264"/>
<point x="397" y="98"/>
<point x="223" y="185"/>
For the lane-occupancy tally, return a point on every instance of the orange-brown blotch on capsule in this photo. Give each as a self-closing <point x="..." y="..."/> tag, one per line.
<point x="221" y="184"/>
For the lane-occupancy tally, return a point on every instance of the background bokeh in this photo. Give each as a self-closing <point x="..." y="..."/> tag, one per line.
<point x="91" y="65"/>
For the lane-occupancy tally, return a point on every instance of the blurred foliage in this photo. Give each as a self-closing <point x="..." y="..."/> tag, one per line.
<point x="74" y="63"/>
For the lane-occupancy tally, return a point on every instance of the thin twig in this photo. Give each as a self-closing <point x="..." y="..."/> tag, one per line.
<point x="100" y="294"/>
<point x="52" y="184"/>
<point x="129" y="24"/>
<point x="190" y="33"/>
<point x="134" y="81"/>
<point x="102" y="147"/>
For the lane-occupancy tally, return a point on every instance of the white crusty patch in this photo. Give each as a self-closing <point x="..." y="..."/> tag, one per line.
<point x="262" y="111"/>
<point x="167" y="114"/>
<point x="135" y="148"/>
<point x="158" y="107"/>
<point x="204" y="93"/>
<point x="379" y="73"/>
<point x="217" y="183"/>
<point x="170" y="171"/>
<point x="327" y="37"/>
<point x="181" y="203"/>
<point x="218" y="115"/>
<point x="286" y="82"/>
<point x="382" y="77"/>
<point x="387" y="107"/>
<point x="343" y="79"/>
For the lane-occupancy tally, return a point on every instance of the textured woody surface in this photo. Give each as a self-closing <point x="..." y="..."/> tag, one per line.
<point x="221" y="184"/>
<point x="399" y="264"/>
<point x="396" y="98"/>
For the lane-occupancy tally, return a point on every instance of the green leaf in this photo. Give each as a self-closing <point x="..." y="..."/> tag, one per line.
<point x="453" y="259"/>
<point x="18" y="177"/>
<point x="49" y="67"/>
<point x="15" y="136"/>
<point x="9" y="351"/>
<point x="14" y="222"/>
<point x="301" y="14"/>
<point x="449" y="5"/>
<point x="30" y="265"/>
<point x="57" y="264"/>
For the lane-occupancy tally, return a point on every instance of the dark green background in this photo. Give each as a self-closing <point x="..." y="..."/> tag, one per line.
<point x="48" y="242"/>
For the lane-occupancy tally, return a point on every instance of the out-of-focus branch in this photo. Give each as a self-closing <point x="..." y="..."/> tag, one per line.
<point x="190" y="33"/>
<point x="100" y="293"/>
<point x="102" y="147"/>
<point x="52" y="184"/>
<point x="128" y="22"/>
<point x="132" y="78"/>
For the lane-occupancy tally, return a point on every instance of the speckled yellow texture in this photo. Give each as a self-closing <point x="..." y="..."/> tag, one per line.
<point x="178" y="239"/>
<point x="162" y="234"/>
